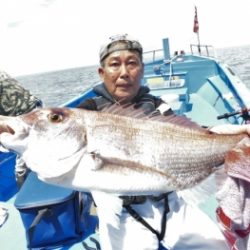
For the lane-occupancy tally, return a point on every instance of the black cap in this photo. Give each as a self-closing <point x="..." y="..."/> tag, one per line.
<point x="117" y="43"/>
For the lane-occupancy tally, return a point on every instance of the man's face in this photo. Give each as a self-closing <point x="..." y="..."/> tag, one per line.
<point x="121" y="74"/>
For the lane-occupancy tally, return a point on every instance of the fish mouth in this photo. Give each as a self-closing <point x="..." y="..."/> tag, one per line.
<point x="6" y="129"/>
<point x="13" y="134"/>
<point x="10" y="124"/>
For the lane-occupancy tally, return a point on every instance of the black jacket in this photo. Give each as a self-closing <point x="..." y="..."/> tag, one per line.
<point x="143" y="100"/>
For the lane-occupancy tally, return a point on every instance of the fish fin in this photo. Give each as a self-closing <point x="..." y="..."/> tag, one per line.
<point x="97" y="160"/>
<point x="109" y="207"/>
<point x="205" y="190"/>
<point x="237" y="160"/>
<point x="92" y="160"/>
<point x="133" y="111"/>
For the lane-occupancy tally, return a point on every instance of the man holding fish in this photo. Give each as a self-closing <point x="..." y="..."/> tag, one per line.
<point x="146" y="222"/>
<point x="120" y="155"/>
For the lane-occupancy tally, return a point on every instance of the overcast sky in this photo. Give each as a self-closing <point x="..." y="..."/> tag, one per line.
<point x="46" y="35"/>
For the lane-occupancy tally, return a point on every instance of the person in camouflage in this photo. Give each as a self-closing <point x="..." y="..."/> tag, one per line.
<point x="16" y="100"/>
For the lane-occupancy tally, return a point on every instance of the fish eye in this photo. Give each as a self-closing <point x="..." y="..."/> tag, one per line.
<point x="55" y="117"/>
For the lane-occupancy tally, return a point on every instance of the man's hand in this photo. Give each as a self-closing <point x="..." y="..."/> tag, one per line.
<point x="231" y="129"/>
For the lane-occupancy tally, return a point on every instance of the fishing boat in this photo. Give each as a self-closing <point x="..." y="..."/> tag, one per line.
<point x="195" y="84"/>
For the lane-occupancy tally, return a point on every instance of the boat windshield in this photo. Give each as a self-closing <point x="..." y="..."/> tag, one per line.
<point x="165" y="82"/>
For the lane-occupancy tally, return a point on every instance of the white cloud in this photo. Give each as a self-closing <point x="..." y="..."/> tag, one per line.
<point x="44" y="35"/>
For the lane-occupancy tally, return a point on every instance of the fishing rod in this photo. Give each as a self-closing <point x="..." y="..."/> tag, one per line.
<point x="244" y="113"/>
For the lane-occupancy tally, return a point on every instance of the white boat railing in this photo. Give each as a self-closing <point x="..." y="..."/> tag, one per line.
<point x="205" y="50"/>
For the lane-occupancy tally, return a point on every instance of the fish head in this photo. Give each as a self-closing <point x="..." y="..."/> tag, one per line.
<point x="50" y="141"/>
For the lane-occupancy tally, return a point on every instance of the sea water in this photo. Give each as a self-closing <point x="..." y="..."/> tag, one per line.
<point x="57" y="87"/>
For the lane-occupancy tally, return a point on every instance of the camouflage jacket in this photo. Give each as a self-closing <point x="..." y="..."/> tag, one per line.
<point x="14" y="99"/>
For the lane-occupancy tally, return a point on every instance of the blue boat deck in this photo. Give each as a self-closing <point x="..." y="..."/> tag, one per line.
<point x="8" y="231"/>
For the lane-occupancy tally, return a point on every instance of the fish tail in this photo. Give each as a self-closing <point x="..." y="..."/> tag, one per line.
<point x="237" y="160"/>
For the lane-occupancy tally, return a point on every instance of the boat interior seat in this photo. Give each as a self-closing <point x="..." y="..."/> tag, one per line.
<point x="217" y="94"/>
<point x="209" y="92"/>
<point x="208" y="117"/>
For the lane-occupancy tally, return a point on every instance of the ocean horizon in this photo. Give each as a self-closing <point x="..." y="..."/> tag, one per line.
<point x="59" y="86"/>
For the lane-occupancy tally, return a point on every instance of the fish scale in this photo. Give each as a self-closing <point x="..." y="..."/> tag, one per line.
<point x="173" y="143"/>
